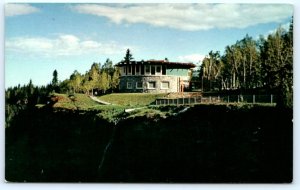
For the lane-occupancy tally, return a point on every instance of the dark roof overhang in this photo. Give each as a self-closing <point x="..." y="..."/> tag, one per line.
<point x="158" y="62"/>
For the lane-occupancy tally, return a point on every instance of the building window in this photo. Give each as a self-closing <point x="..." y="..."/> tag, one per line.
<point x="158" y="68"/>
<point x="129" y="69"/>
<point x="137" y="69"/>
<point x="152" y="70"/>
<point x="142" y="70"/>
<point x="139" y="85"/>
<point x="152" y="85"/>
<point x="133" y="69"/>
<point x="147" y="69"/>
<point x="129" y="85"/>
<point x="163" y="70"/>
<point x="165" y="85"/>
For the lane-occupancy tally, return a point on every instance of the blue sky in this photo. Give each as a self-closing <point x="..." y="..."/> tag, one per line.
<point x="42" y="37"/>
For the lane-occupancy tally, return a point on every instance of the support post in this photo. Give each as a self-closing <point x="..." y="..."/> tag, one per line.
<point x="271" y="98"/>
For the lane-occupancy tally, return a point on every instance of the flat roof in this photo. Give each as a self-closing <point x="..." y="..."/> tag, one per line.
<point x="158" y="62"/>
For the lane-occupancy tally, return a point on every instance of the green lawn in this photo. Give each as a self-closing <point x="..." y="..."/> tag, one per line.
<point x="131" y="99"/>
<point x="120" y="102"/>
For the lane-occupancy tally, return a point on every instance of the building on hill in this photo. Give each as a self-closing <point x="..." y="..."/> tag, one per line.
<point x="154" y="76"/>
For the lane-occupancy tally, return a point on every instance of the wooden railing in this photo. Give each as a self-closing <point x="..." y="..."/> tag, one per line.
<point x="194" y="99"/>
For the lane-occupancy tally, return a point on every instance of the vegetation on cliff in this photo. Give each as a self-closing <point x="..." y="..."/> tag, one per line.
<point x="205" y="143"/>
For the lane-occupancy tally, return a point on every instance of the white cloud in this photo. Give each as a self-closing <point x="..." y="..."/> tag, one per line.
<point x="62" y="45"/>
<point x="190" y="17"/>
<point x="194" y="58"/>
<point x="285" y="26"/>
<point x="19" y="9"/>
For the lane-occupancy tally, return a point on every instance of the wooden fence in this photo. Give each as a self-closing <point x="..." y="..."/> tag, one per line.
<point x="217" y="99"/>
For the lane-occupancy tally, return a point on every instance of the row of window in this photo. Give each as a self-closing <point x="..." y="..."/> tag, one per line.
<point x="144" y="70"/>
<point x="150" y="85"/>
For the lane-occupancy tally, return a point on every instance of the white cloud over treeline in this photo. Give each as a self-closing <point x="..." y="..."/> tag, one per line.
<point x="190" y="17"/>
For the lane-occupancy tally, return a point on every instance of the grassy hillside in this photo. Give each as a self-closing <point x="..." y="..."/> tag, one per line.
<point x="77" y="101"/>
<point x="131" y="99"/>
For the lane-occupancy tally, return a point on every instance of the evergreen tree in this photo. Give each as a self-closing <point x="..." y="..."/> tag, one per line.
<point x="128" y="57"/>
<point x="55" y="78"/>
<point x="108" y="67"/>
<point x="54" y="83"/>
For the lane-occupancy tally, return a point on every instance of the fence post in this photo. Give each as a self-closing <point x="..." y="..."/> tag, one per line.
<point x="253" y="98"/>
<point x="271" y="98"/>
<point x="209" y="99"/>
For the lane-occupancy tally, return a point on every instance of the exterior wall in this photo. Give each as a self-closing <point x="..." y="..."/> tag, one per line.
<point x="145" y="80"/>
<point x="136" y="78"/>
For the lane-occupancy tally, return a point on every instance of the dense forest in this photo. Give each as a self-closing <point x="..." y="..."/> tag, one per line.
<point x="266" y="64"/>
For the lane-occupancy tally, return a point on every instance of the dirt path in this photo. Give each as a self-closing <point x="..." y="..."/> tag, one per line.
<point x="99" y="101"/>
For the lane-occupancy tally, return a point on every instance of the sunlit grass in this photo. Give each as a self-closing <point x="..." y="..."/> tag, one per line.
<point x="131" y="99"/>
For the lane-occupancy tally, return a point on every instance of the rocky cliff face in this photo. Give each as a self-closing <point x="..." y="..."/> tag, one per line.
<point x="204" y="144"/>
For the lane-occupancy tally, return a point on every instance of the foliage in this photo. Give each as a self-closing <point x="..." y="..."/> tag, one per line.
<point x="128" y="57"/>
<point x="97" y="80"/>
<point x="20" y="98"/>
<point x="75" y="81"/>
<point x="266" y="63"/>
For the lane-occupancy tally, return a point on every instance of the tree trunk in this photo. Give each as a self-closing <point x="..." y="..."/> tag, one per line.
<point x="233" y="80"/>
<point x="244" y="64"/>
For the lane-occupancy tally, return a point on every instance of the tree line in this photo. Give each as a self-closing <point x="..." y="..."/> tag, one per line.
<point x="266" y="63"/>
<point x="99" y="79"/>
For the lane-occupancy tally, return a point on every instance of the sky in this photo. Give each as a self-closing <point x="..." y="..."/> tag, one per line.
<point x="42" y="37"/>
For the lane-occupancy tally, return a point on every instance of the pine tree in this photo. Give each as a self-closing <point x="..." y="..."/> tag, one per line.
<point x="54" y="83"/>
<point x="128" y="57"/>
